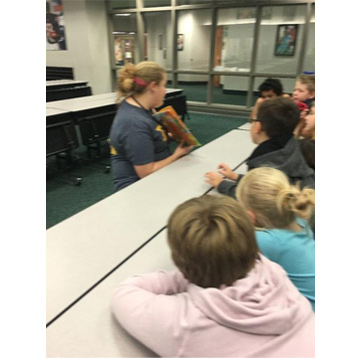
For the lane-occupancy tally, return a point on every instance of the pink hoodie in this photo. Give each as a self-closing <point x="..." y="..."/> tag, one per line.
<point x="262" y="315"/>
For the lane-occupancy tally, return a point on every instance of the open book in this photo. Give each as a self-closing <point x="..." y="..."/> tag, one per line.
<point x="169" y="118"/>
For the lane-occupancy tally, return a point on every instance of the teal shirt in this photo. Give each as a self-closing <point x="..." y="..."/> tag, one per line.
<point x="295" y="252"/>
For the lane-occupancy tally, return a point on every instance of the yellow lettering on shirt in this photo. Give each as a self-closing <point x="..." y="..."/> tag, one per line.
<point x="113" y="150"/>
<point x="161" y="130"/>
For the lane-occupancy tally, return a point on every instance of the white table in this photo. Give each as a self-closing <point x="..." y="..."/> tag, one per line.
<point x="84" y="248"/>
<point x="95" y="101"/>
<point x="55" y="111"/>
<point x="84" y="103"/>
<point x="173" y="92"/>
<point x="64" y="83"/>
<point x="245" y="127"/>
<point x="88" y="329"/>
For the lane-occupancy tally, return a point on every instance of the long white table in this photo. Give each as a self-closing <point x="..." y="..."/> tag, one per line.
<point x="84" y="103"/>
<point x="54" y="111"/>
<point x="64" y="83"/>
<point x="245" y="127"/>
<point x="79" y="104"/>
<point x="88" y="329"/>
<point x="84" y="248"/>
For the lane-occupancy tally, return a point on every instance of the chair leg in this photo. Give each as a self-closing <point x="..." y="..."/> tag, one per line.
<point x="98" y="156"/>
<point x="71" y="180"/>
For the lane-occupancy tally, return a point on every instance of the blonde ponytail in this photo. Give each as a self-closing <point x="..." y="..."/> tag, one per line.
<point x="274" y="202"/>
<point x="294" y="200"/>
<point x="126" y="81"/>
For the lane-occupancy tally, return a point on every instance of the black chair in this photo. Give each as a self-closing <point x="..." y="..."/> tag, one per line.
<point x="61" y="140"/>
<point x="65" y="93"/>
<point x="59" y="73"/>
<point x="94" y="131"/>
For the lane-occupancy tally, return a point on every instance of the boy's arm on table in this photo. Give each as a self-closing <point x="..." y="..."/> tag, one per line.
<point x="147" y="306"/>
<point x="223" y="186"/>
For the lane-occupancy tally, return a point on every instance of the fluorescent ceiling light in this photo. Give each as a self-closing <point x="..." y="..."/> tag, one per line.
<point x="125" y="14"/>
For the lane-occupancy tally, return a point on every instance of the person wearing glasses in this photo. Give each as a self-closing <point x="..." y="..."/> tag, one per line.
<point x="272" y="131"/>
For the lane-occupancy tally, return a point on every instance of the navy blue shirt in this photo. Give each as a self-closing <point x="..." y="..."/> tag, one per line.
<point x="135" y="139"/>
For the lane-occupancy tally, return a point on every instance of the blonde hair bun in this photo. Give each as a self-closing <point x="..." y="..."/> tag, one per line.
<point x="145" y="72"/>
<point x="273" y="200"/>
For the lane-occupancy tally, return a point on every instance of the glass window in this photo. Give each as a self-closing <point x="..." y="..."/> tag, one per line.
<point x="122" y="4"/>
<point x="155" y="3"/>
<point x="194" y="86"/>
<point x="280" y="38"/>
<point x="193" y="39"/>
<point x="287" y="84"/>
<point x="193" y="2"/>
<point x="230" y="90"/>
<point x="125" y="40"/>
<point x="158" y="44"/>
<point x="234" y="39"/>
<point x="309" y="62"/>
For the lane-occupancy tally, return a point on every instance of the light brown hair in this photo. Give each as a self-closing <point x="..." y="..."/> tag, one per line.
<point x="275" y="203"/>
<point x="308" y="80"/>
<point x="278" y="116"/>
<point x="212" y="241"/>
<point x="135" y="78"/>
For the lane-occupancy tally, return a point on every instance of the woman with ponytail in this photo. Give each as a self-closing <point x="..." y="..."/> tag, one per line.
<point x="138" y="143"/>
<point x="280" y="213"/>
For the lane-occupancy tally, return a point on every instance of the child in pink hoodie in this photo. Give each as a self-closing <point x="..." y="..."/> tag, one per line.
<point x="227" y="300"/>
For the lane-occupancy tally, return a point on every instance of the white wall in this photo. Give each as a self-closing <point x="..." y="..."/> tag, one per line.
<point x="194" y="25"/>
<point x="87" y="44"/>
<point x="157" y="24"/>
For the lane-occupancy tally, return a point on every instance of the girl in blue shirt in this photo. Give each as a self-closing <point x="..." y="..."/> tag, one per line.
<point x="280" y="212"/>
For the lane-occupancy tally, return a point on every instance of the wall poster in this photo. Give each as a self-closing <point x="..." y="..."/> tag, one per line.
<point x="180" y="42"/>
<point x="124" y="49"/>
<point x="286" y="40"/>
<point x="55" y="28"/>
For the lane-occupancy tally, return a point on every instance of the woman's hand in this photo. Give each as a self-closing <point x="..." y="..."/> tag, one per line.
<point x="226" y="171"/>
<point x="180" y="151"/>
<point x="213" y="179"/>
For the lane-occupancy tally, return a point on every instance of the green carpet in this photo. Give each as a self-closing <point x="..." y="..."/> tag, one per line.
<point x="64" y="200"/>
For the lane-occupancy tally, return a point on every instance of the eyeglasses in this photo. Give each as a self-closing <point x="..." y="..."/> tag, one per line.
<point x="250" y="120"/>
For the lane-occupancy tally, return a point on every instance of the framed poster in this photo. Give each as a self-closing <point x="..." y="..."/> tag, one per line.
<point x="123" y="49"/>
<point x="118" y="51"/>
<point x="286" y="40"/>
<point x="55" y="28"/>
<point x="180" y="42"/>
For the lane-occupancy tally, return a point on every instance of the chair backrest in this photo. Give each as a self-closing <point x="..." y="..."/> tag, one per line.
<point x="65" y="93"/>
<point x="59" y="73"/>
<point x="179" y="103"/>
<point x="61" y="137"/>
<point x="96" y="128"/>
